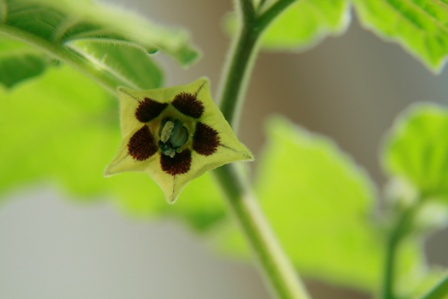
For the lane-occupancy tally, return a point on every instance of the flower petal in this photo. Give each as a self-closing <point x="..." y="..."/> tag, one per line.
<point x="188" y="104"/>
<point x="205" y="139"/>
<point x="124" y="162"/>
<point x="179" y="164"/>
<point x="149" y="109"/>
<point x="141" y="146"/>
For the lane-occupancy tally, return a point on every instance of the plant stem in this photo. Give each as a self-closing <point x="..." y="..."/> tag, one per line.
<point x="238" y="72"/>
<point x="277" y="268"/>
<point x="242" y="57"/>
<point x="65" y="55"/>
<point x="247" y="10"/>
<point x="389" y="268"/>
<point x="398" y="232"/>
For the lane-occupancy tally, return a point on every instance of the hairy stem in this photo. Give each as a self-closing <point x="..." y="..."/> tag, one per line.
<point x="275" y="265"/>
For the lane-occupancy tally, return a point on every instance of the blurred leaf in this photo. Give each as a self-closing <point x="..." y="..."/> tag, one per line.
<point x="54" y="25"/>
<point x="18" y="62"/>
<point x="318" y="202"/>
<point x="416" y="150"/>
<point x="419" y="26"/>
<point x="69" y="142"/>
<point x="201" y="203"/>
<point x="41" y="133"/>
<point x="306" y="23"/>
<point x="124" y="60"/>
<point x="303" y="24"/>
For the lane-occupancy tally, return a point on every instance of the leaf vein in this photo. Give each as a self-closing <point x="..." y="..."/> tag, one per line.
<point x="416" y="25"/>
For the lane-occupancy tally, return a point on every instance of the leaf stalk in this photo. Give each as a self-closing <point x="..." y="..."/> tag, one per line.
<point x="399" y="231"/>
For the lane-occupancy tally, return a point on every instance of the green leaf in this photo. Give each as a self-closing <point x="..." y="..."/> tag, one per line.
<point x="123" y="60"/>
<point x="416" y="150"/>
<point x="319" y="204"/>
<point x="69" y="28"/>
<point x="18" y="62"/>
<point x="69" y="143"/>
<point x="420" y="26"/>
<point x="305" y="23"/>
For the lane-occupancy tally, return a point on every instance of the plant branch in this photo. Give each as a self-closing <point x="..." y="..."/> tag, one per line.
<point x="398" y="232"/>
<point x="277" y="268"/>
<point x="247" y="10"/>
<point x="65" y="55"/>
<point x="242" y="56"/>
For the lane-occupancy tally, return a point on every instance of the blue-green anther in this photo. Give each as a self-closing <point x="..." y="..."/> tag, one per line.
<point x="179" y="135"/>
<point x="166" y="131"/>
<point x="173" y="135"/>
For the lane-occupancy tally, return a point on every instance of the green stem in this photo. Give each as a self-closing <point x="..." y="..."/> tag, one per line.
<point x="238" y="72"/>
<point x="277" y="268"/>
<point x="242" y="57"/>
<point x="440" y="291"/>
<point x="65" y="55"/>
<point x="398" y="232"/>
<point x="389" y="268"/>
<point x="247" y="10"/>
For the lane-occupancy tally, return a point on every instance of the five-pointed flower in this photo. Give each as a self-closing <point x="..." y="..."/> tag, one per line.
<point x="174" y="135"/>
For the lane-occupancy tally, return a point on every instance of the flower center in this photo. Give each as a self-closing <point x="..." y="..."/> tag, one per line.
<point x="173" y="135"/>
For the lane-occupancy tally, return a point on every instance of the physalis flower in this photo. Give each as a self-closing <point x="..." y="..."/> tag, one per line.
<point x="174" y="134"/>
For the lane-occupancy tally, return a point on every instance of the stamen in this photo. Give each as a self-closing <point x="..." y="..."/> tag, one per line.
<point x="167" y="130"/>
<point x="173" y="135"/>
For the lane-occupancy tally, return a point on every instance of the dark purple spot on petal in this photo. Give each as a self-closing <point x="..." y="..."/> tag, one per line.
<point x="205" y="139"/>
<point x="141" y="146"/>
<point x="179" y="164"/>
<point x="188" y="104"/>
<point x="149" y="109"/>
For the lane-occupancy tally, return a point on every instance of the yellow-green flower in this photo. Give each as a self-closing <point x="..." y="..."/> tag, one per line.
<point x="174" y="135"/>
